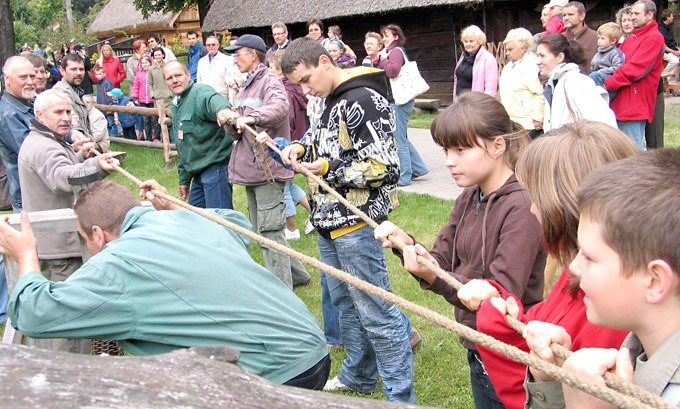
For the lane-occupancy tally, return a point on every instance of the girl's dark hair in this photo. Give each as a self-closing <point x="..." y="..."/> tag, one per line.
<point x="396" y="31"/>
<point x="557" y="43"/>
<point x="159" y="49"/>
<point x="318" y="23"/>
<point x="477" y="116"/>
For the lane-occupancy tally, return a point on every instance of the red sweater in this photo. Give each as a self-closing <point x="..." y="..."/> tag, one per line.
<point x="560" y="308"/>
<point x="637" y="80"/>
<point x="114" y="70"/>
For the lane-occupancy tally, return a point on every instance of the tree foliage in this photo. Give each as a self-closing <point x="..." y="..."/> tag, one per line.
<point x="39" y="21"/>
<point x="149" y="6"/>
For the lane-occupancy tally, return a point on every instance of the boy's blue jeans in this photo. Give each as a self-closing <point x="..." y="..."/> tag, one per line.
<point x="372" y="330"/>
<point x="599" y="79"/>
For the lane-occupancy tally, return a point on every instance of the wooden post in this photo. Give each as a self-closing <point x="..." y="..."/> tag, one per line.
<point x="160" y="104"/>
<point x="160" y="112"/>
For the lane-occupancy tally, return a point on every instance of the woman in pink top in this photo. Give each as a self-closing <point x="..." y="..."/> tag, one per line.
<point x="142" y="96"/>
<point x="477" y="69"/>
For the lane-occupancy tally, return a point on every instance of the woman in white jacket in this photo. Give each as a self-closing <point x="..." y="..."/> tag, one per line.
<point x="570" y="96"/>
<point x="519" y="88"/>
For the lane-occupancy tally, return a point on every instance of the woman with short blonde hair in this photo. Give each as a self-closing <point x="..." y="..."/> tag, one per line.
<point x="477" y="69"/>
<point x="519" y="88"/>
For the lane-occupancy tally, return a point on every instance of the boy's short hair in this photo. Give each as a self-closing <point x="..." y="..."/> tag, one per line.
<point x="610" y="30"/>
<point x="635" y="202"/>
<point x="303" y="51"/>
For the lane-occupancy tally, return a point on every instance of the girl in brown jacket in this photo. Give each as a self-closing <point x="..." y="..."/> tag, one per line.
<point x="491" y="232"/>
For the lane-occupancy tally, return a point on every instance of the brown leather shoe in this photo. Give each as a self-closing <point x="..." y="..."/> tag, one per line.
<point x="415" y="340"/>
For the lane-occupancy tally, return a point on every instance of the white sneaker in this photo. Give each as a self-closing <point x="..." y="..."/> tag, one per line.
<point x="334" y="385"/>
<point x="292" y="235"/>
<point x="309" y="227"/>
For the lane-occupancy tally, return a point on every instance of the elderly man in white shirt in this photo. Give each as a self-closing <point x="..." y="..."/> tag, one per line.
<point x="219" y="70"/>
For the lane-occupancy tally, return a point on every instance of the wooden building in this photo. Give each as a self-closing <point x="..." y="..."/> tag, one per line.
<point x="432" y="27"/>
<point x="121" y="20"/>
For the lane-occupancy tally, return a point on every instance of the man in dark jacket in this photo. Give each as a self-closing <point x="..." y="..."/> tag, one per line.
<point x="353" y="149"/>
<point x="198" y="114"/>
<point x="671" y="52"/>
<point x="574" y="15"/>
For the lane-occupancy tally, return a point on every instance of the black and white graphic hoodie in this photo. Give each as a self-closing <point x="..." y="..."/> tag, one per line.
<point x="355" y="136"/>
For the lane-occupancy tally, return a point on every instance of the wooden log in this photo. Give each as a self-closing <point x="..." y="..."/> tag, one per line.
<point x="127" y="109"/>
<point x="202" y="377"/>
<point x="431" y="105"/>
<point x="164" y="133"/>
<point x="135" y="142"/>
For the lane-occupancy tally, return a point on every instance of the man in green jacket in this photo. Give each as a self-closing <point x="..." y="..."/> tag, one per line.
<point x="198" y="113"/>
<point x="159" y="281"/>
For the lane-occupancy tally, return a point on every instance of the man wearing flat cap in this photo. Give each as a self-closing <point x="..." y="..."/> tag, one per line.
<point x="262" y="103"/>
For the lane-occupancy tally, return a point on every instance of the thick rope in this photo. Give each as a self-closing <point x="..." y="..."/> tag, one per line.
<point x="564" y="376"/>
<point x="611" y="379"/>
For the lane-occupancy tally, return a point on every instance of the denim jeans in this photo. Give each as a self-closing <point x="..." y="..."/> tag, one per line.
<point x="211" y="189"/>
<point x="372" y="330"/>
<point x="292" y="194"/>
<point x="410" y="163"/>
<point x="266" y="211"/>
<point x="482" y="390"/>
<point x="3" y="291"/>
<point x="315" y="377"/>
<point x="635" y="130"/>
<point x="331" y="323"/>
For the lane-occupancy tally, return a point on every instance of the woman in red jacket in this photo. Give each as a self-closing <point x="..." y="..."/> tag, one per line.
<point x="112" y="66"/>
<point x="571" y="153"/>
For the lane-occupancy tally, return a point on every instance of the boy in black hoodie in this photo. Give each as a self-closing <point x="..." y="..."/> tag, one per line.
<point x="353" y="149"/>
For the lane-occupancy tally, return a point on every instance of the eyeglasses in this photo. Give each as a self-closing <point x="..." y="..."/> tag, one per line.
<point x="212" y="45"/>
<point x="278" y="34"/>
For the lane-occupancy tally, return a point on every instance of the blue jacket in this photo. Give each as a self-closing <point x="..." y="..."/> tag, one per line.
<point x="126" y="120"/>
<point x="104" y="86"/>
<point x="15" y="119"/>
<point x="195" y="54"/>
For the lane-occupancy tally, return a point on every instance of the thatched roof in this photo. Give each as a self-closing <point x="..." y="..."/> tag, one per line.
<point x="121" y="15"/>
<point x="233" y="14"/>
